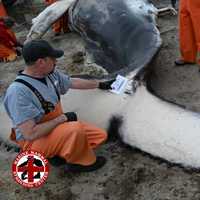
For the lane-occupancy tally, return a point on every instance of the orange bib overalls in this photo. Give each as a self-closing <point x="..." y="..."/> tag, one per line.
<point x="189" y="33"/>
<point x="73" y="141"/>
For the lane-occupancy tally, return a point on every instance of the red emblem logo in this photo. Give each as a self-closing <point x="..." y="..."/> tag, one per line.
<point x="30" y="169"/>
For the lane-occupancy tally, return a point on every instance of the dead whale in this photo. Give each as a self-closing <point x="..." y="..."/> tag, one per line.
<point x="122" y="37"/>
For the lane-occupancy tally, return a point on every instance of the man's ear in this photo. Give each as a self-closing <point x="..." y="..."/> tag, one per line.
<point x="40" y="61"/>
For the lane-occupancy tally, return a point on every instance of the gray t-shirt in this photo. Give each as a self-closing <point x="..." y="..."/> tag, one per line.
<point x="22" y="104"/>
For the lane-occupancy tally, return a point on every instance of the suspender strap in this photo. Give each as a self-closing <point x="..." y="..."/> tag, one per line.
<point x="46" y="105"/>
<point x="58" y="95"/>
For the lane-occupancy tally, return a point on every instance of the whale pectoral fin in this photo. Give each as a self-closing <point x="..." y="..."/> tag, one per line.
<point x="47" y="17"/>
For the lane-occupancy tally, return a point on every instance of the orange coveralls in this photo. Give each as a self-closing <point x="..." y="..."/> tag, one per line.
<point x="62" y="22"/>
<point x="8" y="42"/>
<point x="189" y="30"/>
<point x="73" y="141"/>
<point x="2" y="10"/>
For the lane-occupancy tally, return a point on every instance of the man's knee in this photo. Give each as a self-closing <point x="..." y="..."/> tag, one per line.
<point x="76" y="126"/>
<point x="77" y="129"/>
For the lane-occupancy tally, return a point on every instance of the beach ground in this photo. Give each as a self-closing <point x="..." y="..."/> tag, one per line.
<point x="128" y="174"/>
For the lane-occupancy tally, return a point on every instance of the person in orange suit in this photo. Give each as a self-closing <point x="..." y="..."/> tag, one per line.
<point x="33" y="103"/>
<point x="2" y="9"/>
<point x="189" y="32"/>
<point x="61" y="24"/>
<point x="8" y="41"/>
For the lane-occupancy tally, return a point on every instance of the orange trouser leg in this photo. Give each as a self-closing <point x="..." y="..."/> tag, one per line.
<point x="95" y="136"/>
<point x="73" y="141"/>
<point x="2" y="10"/>
<point x="194" y="8"/>
<point x="7" y="54"/>
<point x="61" y="24"/>
<point x="188" y="47"/>
<point x="57" y="26"/>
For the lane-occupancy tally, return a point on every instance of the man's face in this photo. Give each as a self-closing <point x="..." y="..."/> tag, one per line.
<point x="50" y="64"/>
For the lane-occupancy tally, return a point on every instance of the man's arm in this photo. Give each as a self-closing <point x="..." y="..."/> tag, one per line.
<point x="32" y="131"/>
<point x="78" y="83"/>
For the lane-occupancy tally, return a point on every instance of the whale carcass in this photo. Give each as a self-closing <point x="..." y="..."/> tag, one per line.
<point x="122" y="36"/>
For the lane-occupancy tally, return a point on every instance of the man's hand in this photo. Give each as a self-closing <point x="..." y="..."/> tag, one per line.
<point x="71" y="116"/>
<point x="106" y="85"/>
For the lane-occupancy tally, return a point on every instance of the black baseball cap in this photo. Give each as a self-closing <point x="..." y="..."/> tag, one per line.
<point x="35" y="49"/>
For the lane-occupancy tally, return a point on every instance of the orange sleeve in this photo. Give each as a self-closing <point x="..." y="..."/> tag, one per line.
<point x="7" y="37"/>
<point x="49" y="2"/>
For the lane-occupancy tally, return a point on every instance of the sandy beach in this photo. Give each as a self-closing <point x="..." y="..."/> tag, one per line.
<point x="128" y="174"/>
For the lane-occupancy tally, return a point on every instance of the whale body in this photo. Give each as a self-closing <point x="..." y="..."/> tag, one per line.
<point x="121" y="36"/>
